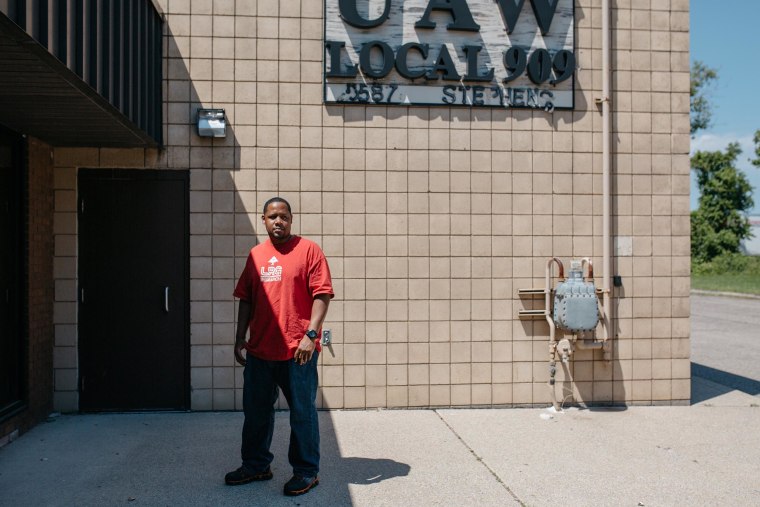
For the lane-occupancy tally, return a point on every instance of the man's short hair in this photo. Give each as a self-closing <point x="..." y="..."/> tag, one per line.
<point x="276" y="199"/>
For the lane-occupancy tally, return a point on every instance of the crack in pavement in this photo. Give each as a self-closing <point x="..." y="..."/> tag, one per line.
<point x="480" y="459"/>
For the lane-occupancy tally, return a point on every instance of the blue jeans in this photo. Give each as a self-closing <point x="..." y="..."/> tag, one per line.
<point x="261" y="380"/>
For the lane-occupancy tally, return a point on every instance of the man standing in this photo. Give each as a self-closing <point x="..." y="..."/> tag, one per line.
<point x="284" y="291"/>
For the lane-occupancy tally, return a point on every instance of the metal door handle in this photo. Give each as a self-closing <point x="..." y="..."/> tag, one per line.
<point x="166" y="299"/>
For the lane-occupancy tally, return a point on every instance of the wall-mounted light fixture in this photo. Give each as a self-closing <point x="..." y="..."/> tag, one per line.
<point x="212" y="123"/>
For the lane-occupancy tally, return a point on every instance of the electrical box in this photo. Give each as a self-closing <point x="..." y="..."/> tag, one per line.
<point x="576" y="306"/>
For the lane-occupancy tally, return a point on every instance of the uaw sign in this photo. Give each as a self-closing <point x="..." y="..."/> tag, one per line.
<point x="474" y="53"/>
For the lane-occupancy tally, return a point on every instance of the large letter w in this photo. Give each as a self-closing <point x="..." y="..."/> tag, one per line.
<point x="543" y="9"/>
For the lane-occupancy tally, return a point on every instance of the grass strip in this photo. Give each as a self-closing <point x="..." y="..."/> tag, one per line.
<point x="728" y="273"/>
<point x="728" y="282"/>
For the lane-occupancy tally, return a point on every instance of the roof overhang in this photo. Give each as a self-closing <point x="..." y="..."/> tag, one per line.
<point x="40" y="96"/>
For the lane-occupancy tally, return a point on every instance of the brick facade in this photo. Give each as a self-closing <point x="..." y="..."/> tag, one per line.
<point x="39" y="291"/>
<point x="432" y="219"/>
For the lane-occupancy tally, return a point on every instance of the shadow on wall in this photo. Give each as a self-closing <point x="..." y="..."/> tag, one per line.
<point x="230" y="179"/>
<point x="619" y="392"/>
<point x="222" y="217"/>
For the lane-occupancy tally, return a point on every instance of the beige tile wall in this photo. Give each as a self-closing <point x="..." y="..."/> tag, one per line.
<point x="431" y="218"/>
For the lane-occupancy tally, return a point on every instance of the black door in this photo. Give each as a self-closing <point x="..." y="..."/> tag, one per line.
<point x="11" y="350"/>
<point x="134" y="287"/>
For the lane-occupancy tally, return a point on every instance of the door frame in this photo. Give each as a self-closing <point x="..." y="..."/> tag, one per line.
<point x="98" y="174"/>
<point x="20" y="325"/>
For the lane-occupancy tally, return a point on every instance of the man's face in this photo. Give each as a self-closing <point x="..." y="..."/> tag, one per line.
<point x="277" y="220"/>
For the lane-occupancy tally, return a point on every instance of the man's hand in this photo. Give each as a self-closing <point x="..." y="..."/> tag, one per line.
<point x="244" y="318"/>
<point x="304" y="351"/>
<point x="239" y="346"/>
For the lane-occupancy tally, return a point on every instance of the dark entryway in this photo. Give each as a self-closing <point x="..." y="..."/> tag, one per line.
<point x="134" y="288"/>
<point x="11" y="270"/>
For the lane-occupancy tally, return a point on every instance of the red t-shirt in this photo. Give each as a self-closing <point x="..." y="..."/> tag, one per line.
<point x="281" y="282"/>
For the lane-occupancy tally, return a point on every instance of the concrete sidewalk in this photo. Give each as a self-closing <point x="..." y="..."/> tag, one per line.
<point x="707" y="454"/>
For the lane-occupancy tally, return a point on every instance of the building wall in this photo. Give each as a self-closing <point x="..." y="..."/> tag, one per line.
<point x="40" y="292"/>
<point x="431" y="218"/>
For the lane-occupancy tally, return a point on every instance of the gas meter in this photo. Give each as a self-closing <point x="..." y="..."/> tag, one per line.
<point x="576" y="306"/>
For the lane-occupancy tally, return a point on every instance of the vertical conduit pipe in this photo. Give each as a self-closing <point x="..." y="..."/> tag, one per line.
<point x="552" y="328"/>
<point x="606" y="182"/>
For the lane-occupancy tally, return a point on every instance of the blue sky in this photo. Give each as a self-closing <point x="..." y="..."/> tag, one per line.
<point x="724" y="35"/>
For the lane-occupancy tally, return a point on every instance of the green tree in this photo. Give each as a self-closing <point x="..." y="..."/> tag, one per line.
<point x="702" y="77"/>
<point x="720" y="223"/>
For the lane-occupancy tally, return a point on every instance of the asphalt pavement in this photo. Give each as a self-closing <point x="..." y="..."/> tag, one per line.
<point x="699" y="455"/>
<point x="704" y="454"/>
<point x="725" y="345"/>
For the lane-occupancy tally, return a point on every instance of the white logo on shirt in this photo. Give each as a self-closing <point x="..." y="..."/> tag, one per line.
<point x="272" y="273"/>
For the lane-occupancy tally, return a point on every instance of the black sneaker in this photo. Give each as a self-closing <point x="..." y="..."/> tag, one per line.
<point x="300" y="485"/>
<point x="243" y="476"/>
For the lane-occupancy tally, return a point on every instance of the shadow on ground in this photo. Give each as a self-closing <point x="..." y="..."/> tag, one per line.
<point x="345" y="470"/>
<point x="168" y="459"/>
<point x="708" y="383"/>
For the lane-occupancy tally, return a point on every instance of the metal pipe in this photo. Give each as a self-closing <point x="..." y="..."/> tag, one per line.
<point x="606" y="183"/>
<point x="552" y="327"/>
<point x="590" y="265"/>
<point x="589" y="344"/>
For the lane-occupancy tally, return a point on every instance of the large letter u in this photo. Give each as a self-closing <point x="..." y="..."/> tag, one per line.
<point x="350" y="14"/>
